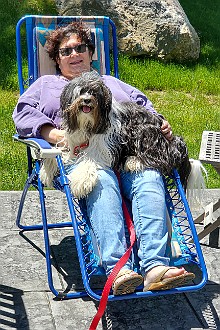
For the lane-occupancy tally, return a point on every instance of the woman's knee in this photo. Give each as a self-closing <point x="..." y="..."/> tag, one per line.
<point x="148" y="181"/>
<point x="107" y="178"/>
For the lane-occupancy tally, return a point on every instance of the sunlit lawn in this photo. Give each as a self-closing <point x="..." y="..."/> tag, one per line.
<point x="188" y="95"/>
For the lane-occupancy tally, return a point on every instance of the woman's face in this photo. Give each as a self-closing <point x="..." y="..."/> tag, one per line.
<point x="76" y="63"/>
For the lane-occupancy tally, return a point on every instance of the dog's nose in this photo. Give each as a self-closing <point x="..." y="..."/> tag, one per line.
<point x="87" y="100"/>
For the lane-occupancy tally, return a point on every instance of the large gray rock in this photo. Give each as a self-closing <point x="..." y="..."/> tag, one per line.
<point x="156" y="28"/>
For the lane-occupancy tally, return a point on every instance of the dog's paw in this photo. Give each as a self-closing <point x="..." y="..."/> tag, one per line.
<point x="48" y="171"/>
<point x="83" y="179"/>
<point x="46" y="178"/>
<point x="133" y="164"/>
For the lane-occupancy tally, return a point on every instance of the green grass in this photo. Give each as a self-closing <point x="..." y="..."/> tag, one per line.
<point x="150" y="74"/>
<point x="188" y="94"/>
<point x="13" y="11"/>
<point x="12" y="156"/>
<point x="191" y="106"/>
<point x="205" y="19"/>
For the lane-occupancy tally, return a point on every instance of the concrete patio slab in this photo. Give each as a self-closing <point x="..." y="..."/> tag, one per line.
<point x="27" y="303"/>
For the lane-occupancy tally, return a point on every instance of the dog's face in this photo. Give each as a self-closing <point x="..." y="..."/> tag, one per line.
<point x="85" y="105"/>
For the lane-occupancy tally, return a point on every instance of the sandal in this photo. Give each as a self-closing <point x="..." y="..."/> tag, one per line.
<point x="169" y="282"/>
<point x="126" y="282"/>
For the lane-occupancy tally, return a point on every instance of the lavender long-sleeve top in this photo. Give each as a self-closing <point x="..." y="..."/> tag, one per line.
<point x="40" y="103"/>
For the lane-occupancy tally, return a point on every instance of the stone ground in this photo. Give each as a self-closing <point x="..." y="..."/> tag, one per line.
<point x="27" y="303"/>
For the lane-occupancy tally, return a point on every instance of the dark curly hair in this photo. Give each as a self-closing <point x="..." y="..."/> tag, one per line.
<point x="55" y="38"/>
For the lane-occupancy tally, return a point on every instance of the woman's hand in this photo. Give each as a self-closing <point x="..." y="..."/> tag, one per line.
<point x="53" y="135"/>
<point x="166" y="130"/>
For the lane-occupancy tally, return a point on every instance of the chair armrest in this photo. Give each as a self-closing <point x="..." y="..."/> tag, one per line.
<point x="43" y="148"/>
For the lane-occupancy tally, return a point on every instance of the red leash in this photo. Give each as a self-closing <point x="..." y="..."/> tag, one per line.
<point x="116" y="269"/>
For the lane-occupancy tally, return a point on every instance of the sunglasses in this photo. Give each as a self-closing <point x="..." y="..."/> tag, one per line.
<point x="68" y="50"/>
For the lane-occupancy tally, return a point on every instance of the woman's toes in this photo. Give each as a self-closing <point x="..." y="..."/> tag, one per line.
<point x="170" y="272"/>
<point x="165" y="278"/>
<point x="174" y="271"/>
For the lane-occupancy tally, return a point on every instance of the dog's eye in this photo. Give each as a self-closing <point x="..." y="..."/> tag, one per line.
<point x="84" y="91"/>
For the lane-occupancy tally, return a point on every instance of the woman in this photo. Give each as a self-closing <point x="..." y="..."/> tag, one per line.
<point x="36" y="114"/>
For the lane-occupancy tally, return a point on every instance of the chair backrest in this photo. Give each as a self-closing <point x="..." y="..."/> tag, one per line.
<point x="37" y="29"/>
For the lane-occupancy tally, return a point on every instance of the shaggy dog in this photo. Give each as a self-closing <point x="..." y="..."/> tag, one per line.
<point x="102" y="133"/>
<point x="145" y="146"/>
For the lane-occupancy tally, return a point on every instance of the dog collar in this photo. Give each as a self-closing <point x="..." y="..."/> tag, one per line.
<point x="77" y="149"/>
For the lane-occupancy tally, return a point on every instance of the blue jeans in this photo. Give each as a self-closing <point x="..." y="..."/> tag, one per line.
<point x="104" y="209"/>
<point x="145" y="191"/>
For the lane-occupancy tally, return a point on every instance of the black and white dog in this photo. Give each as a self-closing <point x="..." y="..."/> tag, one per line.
<point x="102" y="133"/>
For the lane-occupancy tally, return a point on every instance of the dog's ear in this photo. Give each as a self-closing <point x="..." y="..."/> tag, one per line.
<point x="70" y="92"/>
<point x="64" y="99"/>
<point x="69" y="119"/>
<point x="66" y="112"/>
<point x="107" y="102"/>
<point x="105" y="108"/>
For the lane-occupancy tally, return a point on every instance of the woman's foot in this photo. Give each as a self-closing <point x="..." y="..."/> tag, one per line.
<point x="165" y="278"/>
<point x="126" y="282"/>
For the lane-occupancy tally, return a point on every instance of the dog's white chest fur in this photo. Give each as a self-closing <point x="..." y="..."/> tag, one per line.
<point x="89" y="159"/>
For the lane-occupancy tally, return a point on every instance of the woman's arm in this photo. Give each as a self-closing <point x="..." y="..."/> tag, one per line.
<point x="52" y="135"/>
<point x="38" y="106"/>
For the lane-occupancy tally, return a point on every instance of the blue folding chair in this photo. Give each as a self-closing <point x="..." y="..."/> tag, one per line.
<point x="183" y="248"/>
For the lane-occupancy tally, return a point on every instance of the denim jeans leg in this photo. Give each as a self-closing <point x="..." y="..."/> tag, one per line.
<point x="146" y="192"/>
<point x="104" y="209"/>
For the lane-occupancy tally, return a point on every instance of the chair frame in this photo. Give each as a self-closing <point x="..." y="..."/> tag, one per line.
<point x="177" y="204"/>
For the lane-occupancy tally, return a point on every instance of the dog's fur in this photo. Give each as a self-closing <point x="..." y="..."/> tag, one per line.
<point x="87" y="117"/>
<point x="117" y="134"/>
<point x="144" y="145"/>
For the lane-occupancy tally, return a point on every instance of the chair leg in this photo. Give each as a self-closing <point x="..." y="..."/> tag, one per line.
<point x="21" y="205"/>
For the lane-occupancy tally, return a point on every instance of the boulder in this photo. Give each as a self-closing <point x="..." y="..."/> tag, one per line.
<point x="156" y="28"/>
